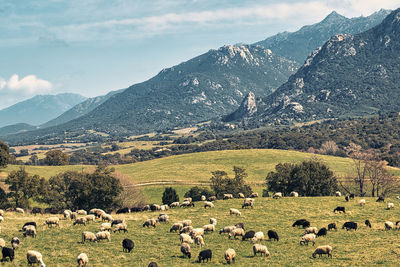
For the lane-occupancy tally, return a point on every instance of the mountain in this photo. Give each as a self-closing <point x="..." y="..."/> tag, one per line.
<point x="246" y="109"/>
<point x="298" y="45"/>
<point x="80" y="109"/>
<point x="16" y="128"/>
<point x="350" y="75"/>
<point x="39" y="109"/>
<point x="204" y="87"/>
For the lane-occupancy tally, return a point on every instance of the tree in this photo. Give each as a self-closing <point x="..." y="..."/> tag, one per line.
<point x="308" y="178"/>
<point x="196" y="192"/>
<point x="169" y="196"/>
<point x="360" y="158"/>
<point x="56" y="158"/>
<point x="4" y="203"/>
<point x="22" y="187"/>
<point x="328" y="148"/>
<point x="222" y="184"/>
<point x="4" y="155"/>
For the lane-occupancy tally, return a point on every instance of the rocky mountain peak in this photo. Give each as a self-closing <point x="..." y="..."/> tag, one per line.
<point x="246" y="109"/>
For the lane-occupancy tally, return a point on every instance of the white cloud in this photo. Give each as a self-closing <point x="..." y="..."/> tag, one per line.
<point x="29" y="84"/>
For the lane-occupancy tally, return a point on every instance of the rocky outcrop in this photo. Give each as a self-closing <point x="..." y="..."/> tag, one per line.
<point x="247" y="108"/>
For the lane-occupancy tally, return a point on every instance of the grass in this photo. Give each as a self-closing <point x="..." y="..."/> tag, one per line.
<point x="364" y="247"/>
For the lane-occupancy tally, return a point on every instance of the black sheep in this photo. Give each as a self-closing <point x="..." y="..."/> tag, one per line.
<point x="351" y="196"/>
<point x="346" y="198"/>
<point x="127" y="245"/>
<point x="302" y="222"/>
<point x="205" y="255"/>
<point x="29" y="223"/>
<point x="380" y="199"/>
<point x="340" y="209"/>
<point x="273" y="235"/>
<point x="322" y="232"/>
<point x="350" y="225"/>
<point x="136" y="209"/>
<point x="332" y="226"/>
<point x="7" y="253"/>
<point x="118" y="221"/>
<point x="123" y="210"/>
<point x="368" y="223"/>
<point x="36" y="210"/>
<point x="240" y="225"/>
<point x="248" y="235"/>
<point x="152" y="264"/>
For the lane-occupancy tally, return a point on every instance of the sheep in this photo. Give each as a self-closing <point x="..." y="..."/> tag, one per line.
<point x="122" y="210"/>
<point x="34" y="257"/>
<point x="176" y="227"/>
<point x="155" y="207"/>
<point x="29" y="230"/>
<point x="52" y="221"/>
<point x="213" y="221"/>
<point x="212" y="198"/>
<point x="302" y="222"/>
<point x="307" y="239"/>
<point x="196" y="231"/>
<point x="7" y="253"/>
<point x="310" y="230"/>
<point x="235" y="212"/>
<point x="277" y="195"/>
<point x="164" y="207"/>
<point x="185" y="238"/>
<point x="368" y="223"/>
<point x="81" y="220"/>
<point x="90" y="218"/>
<point x="236" y="232"/>
<point x="186" y="229"/>
<point x="67" y="214"/>
<point x="97" y="212"/>
<point x="346" y="198"/>
<point x="273" y="235"/>
<point x="187" y="204"/>
<point x="230" y="255"/>
<point x="240" y="225"/>
<point x="81" y="212"/>
<point x="208" y="204"/>
<point x="361" y="202"/>
<point x="380" y="199"/>
<point x="339" y="210"/>
<point x="127" y="245"/>
<point x="390" y="205"/>
<point x="15" y="242"/>
<point x="203" y="198"/>
<point x="349" y="226"/>
<point x="74" y="215"/>
<point x="103" y="235"/>
<point x="121" y="227"/>
<point x="294" y="194"/>
<point x="152" y="264"/>
<point x="254" y="195"/>
<point x="209" y="228"/>
<point x="19" y="210"/>
<point x="205" y="255"/>
<point x="188" y="199"/>
<point x="1" y="219"/>
<point x="106" y="217"/>
<point x="241" y="195"/>
<point x="259" y="236"/>
<point x="248" y="235"/>
<point x="323" y="250"/>
<point x="248" y="202"/>
<point x="82" y="259"/>
<point x="227" y="229"/>
<point x="88" y="236"/>
<point x="118" y="221"/>
<point x="2" y="243"/>
<point x="174" y="204"/>
<point x="150" y="222"/>
<point x="199" y="241"/>
<point x="227" y="196"/>
<point x="332" y="226"/>
<point x="105" y="227"/>
<point x="1" y="212"/>
<point x="338" y="194"/>
<point x="322" y="232"/>
<point x="186" y="223"/>
<point x="163" y="218"/>
<point x="389" y="225"/>
<point x="258" y="248"/>
<point x="351" y="196"/>
<point x="185" y="249"/>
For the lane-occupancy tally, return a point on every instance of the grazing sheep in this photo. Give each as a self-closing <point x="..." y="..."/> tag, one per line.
<point x="208" y="204"/>
<point x="121" y="227"/>
<point x="81" y="220"/>
<point x="187" y="204"/>
<point x="339" y="210"/>
<point x="34" y="257"/>
<point x="103" y="235"/>
<point x="228" y="196"/>
<point x="19" y="210"/>
<point x="203" y="198"/>
<point x="380" y="199"/>
<point x="176" y="227"/>
<point x="82" y="259"/>
<point x="186" y="223"/>
<point x="307" y="239"/>
<point x="67" y="214"/>
<point x="196" y="231"/>
<point x="235" y="212"/>
<point x="81" y="212"/>
<point x="368" y="223"/>
<point x="152" y="264"/>
<point x="29" y="230"/>
<point x="106" y="217"/>
<point x="1" y="219"/>
<point x="227" y="229"/>
<point x="361" y="202"/>
<point x="240" y="225"/>
<point x="349" y="226"/>
<point x="90" y="218"/>
<point x="2" y="243"/>
<point x="1" y="212"/>
<point x="389" y="225"/>
<point x="310" y="230"/>
<point x="29" y="223"/>
<point x="105" y="227"/>
<point x="338" y="194"/>
<point x="88" y="236"/>
<point x="164" y="207"/>
<point x="212" y="198"/>
<point x="150" y="222"/>
<point x="185" y="238"/>
<point x="209" y="228"/>
<point x="186" y="229"/>
<point x="236" y="232"/>
<point x="248" y="235"/>
<point x="52" y="221"/>
<point x="163" y="218"/>
<point x="174" y="204"/>
<point x="351" y="196"/>
<point x="241" y="195"/>
<point x="74" y="215"/>
<point x="302" y="222"/>
<point x="277" y="195"/>
<point x="188" y="199"/>
<point x="7" y="253"/>
<point x="248" y="202"/>
<point x="230" y="255"/>
<point x="185" y="249"/>
<point x="14" y="242"/>
<point x="346" y="198"/>
<point x="273" y="235"/>
<point x="254" y="195"/>
<point x="199" y="241"/>
<point x="97" y="212"/>
<point x="390" y="205"/>
<point x="127" y="245"/>
<point x="259" y="236"/>
<point x="205" y="255"/>
<point x="323" y="250"/>
<point x="332" y="226"/>
<point x="258" y="248"/>
<point x="213" y="221"/>
<point x="322" y="232"/>
<point x="118" y="221"/>
<point x="294" y="194"/>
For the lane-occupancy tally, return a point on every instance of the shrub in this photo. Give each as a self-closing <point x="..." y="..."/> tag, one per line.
<point x="222" y="184"/>
<point x="196" y="192"/>
<point x="169" y="196"/>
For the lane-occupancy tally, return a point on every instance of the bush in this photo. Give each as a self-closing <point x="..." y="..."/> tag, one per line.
<point x="196" y="192"/>
<point x="4" y="155"/>
<point x="56" y="158"/>
<point x="169" y="196"/>
<point x="222" y="184"/>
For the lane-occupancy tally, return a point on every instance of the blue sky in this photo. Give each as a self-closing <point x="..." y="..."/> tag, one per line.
<point x="94" y="46"/>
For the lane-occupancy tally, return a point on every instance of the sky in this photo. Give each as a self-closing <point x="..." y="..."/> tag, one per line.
<point x="92" y="47"/>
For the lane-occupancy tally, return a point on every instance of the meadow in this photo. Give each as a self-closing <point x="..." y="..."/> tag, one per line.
<point x="364" y="247"/>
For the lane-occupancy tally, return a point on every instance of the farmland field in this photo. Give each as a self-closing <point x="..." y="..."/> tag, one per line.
<point x="364" y="247"/>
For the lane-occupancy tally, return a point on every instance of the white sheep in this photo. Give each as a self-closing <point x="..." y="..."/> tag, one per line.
<point x="185" y="238"/>
<point x="82" y="260"/>
<point x="1" y="212"/>
<point x="176" y="227"/>
<point x="241" y="195"/>
<point x="186" y="229"/>
<point x="67" y="214"/>
<point x="310" y="230"/>
<point x="209" y="228"/>
<point x="121" y="227"/>
<point x="107" y="217"/>
<point x="259" y="236"/>
<point x="228" y="196"/>
<point x="236" y="232"/>
<point x="294" y="194"/>
<point x="105" y="227"/>
<point x="361" y="202"/>
<point x="227" y="229"/>
<point x="338" y="194"/>
<point x="230" y="255"/>
<point x="208" y="204"/>
<point x="90" y="218"/>
<point x="2" y="243"/>
<point x="277" y="195"/>
<point x="203" y="198"/>
<point x="174" y="204"/>
<point x="254" y="195"/>
<point x="389" y="225"/>
<point x="82" y="212"/>
<point x="74" y="215"/>
<point x="196" y="232"/>
<point x="213" y="221"/>
<point x="307" y="239"/>
<point x="199" y="241"/>
<point x="88" y="236"/>
<point x="186" y="223"/>
<point x="258" y="248"/>
<point x="164" y="207"/>
<point x="103" y="235"/>
<point x="323" y="250"/>
<point x="81" y="220"/>
<point x="97" y="212"/>
<point x="188" y="199"/>
<point x="29" y="230"/>
<point x="185" y="249"/>
<point x="390" y="205"/>
<point x="52" y="221"/>
<point x="15" y="242"/>
<point x="163" y="218"/>
<point x="19" y="210"/>
<point x="235" y="212"/>
<point x="150" y="222"/>
<point x="1" y="218"/>
<point x="248" y="202"/>
<point x="35" y="257"/>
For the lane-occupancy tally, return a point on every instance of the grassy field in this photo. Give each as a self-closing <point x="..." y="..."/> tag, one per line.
<point x="364" y="247"/>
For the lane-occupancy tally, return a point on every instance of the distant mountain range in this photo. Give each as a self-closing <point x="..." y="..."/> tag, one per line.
<point x="299" y="45"/>
<point x="39" y="109"/>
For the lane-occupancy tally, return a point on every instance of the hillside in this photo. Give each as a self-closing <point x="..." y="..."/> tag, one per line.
<point x="16" y="128"/>
<point x="299" y="45"/>
<point x="39" y="109"/>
